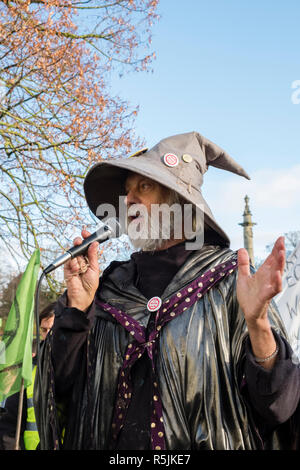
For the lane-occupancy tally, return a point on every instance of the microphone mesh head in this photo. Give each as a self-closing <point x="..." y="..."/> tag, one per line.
<point x="114" y="226"/>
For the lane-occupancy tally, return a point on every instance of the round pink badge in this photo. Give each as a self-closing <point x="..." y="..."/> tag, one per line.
<point x="154" y="304"/>
<point x="171" y="159"/>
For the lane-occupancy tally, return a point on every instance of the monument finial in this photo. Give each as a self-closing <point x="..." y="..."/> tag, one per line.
<point x="248" y="232"/>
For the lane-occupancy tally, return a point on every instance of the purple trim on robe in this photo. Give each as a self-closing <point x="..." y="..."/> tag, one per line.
<point x="170" y="309"/>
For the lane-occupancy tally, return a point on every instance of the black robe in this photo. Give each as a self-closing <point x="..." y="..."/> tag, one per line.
<point x="201" y="366"/>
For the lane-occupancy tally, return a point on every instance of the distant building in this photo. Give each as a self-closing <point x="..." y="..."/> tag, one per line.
<point x="248" y="232"/>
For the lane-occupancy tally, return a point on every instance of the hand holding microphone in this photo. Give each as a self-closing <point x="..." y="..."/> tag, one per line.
<point x="82" y="277"/>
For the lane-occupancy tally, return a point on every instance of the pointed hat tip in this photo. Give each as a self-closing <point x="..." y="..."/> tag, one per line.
<point x="217" y="157"/>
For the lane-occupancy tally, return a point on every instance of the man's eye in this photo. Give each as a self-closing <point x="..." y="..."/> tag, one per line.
<point x="145" y="186"/>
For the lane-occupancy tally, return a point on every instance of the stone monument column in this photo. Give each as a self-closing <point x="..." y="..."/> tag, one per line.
<point x="248" y="232"/>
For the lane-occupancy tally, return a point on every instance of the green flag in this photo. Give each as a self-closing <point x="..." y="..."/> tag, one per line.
<point x="17" y="339"/>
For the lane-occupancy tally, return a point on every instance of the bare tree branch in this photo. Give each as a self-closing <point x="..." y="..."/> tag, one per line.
<point x="57" y="116"/>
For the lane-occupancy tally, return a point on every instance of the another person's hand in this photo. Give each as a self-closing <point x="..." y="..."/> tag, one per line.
<point x="82" y="276"/>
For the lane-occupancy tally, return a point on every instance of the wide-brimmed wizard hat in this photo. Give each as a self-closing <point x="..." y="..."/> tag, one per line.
<point x="177" y="162"/>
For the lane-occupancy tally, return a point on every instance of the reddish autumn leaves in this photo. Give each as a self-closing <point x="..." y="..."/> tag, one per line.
<point x="57" y="115"/>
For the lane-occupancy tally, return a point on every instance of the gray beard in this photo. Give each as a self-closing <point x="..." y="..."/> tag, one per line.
<point x="154" y="234"/>
<point x="154" y="238"/>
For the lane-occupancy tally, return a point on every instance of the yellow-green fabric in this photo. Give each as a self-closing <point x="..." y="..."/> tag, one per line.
<point x="18" y="334"/>
<point x="31" y="435"/>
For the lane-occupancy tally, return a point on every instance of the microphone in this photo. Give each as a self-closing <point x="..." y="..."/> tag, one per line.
<point x="111" y="229"/>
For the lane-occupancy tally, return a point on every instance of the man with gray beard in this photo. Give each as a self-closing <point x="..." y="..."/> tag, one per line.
<point x="180" y="347"/>
<point x="152" y="226"/>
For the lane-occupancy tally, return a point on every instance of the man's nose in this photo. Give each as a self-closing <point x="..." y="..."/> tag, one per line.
<point x="131" y="198"/>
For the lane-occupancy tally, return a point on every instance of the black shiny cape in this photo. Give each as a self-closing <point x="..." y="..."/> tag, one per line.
<point x="199" y="364"/>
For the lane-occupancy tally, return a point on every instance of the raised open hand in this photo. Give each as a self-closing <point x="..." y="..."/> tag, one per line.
<point x="254" y="291"/>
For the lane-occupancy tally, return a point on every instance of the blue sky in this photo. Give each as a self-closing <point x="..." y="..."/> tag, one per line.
<point x="225" y="68"/>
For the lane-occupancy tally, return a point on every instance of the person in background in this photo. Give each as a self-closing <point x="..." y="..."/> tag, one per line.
<point x="46" y="320"/>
